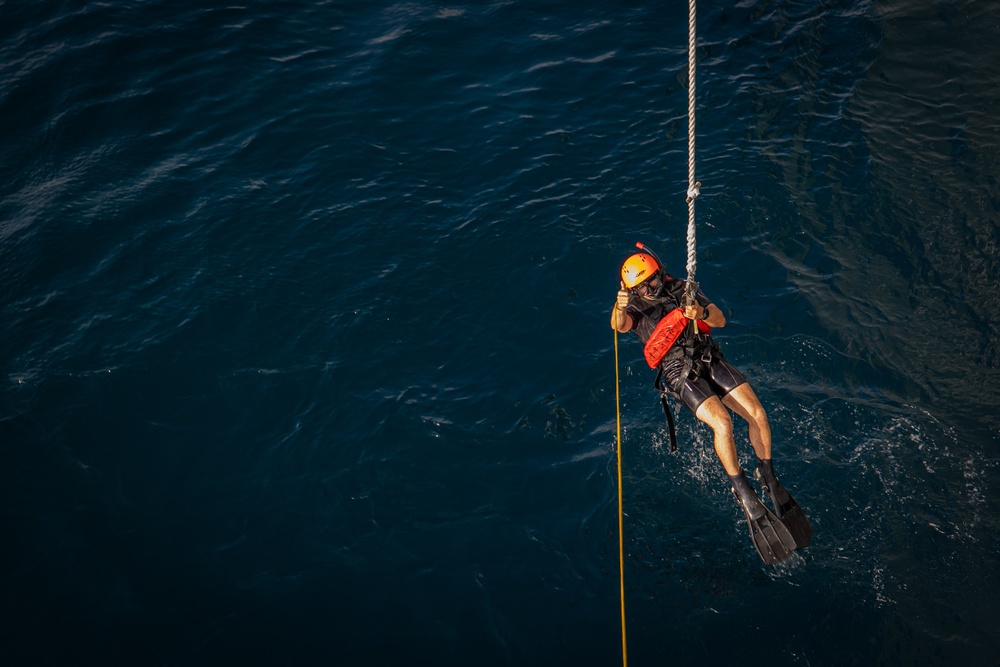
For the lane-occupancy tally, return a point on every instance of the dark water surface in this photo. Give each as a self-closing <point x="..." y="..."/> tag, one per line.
<point x="304" y="331"/>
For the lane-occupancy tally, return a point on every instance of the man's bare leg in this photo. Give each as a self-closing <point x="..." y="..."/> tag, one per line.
<point x="744" y="402"/>
<point x="714" y="413"/>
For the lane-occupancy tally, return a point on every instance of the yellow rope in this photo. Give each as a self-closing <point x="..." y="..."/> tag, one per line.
<point x="621" y="540"/>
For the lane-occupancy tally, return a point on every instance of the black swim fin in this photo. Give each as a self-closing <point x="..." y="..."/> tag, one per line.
<point x="785" y="507"/>
<point x="770" y="537"/>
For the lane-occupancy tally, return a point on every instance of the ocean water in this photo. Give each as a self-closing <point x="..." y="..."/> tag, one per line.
<point x="306" y="360"/>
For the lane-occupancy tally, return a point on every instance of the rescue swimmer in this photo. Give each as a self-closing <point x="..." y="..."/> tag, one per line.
<point x="690" y="367"/>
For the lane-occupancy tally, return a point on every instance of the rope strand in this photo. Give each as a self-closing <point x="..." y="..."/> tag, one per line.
<point x="694" y="187"/>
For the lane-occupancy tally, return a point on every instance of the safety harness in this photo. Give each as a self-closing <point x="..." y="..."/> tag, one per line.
<point x="697" y="350"/>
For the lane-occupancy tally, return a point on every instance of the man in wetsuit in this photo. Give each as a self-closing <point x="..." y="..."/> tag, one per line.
<point x="694" y="371"/>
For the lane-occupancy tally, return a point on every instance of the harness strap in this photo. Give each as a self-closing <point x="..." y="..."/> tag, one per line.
<point x="670" y="421"/>
<point x="698" y="350"/>
<point x="664" y="392"/>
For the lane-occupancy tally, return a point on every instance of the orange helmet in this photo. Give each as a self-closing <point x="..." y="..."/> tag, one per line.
<point x="637" y="268"/>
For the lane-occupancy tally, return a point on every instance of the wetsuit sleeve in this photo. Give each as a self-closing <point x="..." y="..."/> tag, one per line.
<point x="642" y="325"/>
<point x="635" y="315"/>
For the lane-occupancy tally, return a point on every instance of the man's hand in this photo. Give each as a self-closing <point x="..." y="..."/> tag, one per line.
<point x="695" y="312"/>
<point x="624" y="295"/>
<point x="620" y="320"/>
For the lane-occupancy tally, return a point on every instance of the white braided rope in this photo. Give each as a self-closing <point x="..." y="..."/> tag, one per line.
<point x="693" y="186"/>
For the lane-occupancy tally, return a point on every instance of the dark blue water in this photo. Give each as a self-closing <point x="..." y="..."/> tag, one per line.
<point x="303" y="324"/>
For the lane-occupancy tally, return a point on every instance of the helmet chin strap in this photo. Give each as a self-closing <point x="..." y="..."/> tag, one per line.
<point x="663" y="284"/>
<point x="657" y="298"/>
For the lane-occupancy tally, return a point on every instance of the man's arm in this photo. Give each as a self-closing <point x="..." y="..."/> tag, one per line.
<point x="711" y="314"/>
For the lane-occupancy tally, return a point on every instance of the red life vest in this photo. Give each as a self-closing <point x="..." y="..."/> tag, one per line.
<point x="666" y="333"/>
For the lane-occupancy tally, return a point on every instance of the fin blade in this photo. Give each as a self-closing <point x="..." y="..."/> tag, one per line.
<point x="770" y="537"/>
<point x="798" y="525"/>
<point x="789" y="513"/>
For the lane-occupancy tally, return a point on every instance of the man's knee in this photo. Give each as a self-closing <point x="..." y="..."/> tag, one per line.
<point x="757" y="413"/>
<point x="714" y="413"/>
<point x="745" y="401"/>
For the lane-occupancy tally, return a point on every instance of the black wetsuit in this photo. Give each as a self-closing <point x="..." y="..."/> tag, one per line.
<point x="708" y="374"/>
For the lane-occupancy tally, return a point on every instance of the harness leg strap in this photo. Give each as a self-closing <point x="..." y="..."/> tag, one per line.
<point x="658" y="383"/>
<point x="670" y="421"/>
